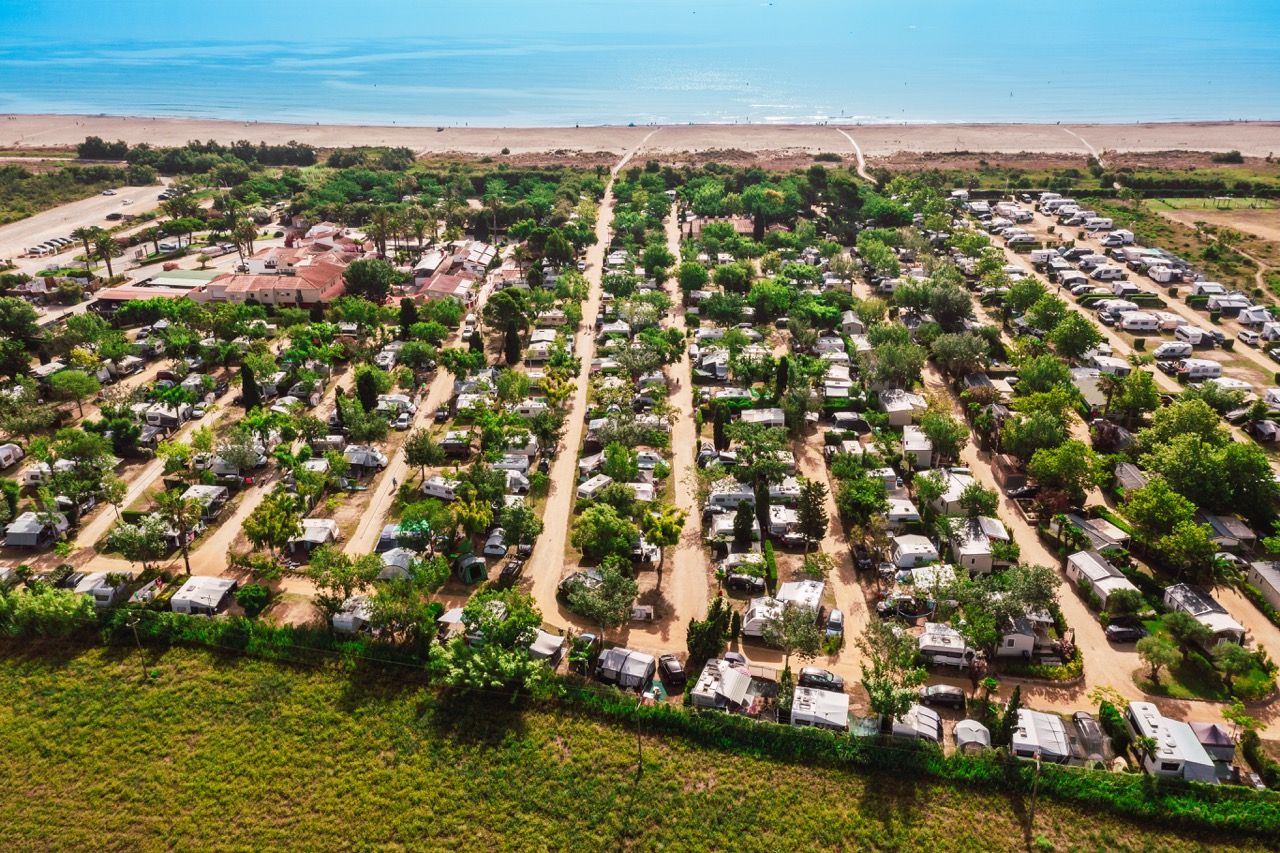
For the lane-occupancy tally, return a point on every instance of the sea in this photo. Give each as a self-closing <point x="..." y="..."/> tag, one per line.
<point x="525" y="63"/>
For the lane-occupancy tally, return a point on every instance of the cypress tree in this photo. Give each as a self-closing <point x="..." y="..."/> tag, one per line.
<point x="250" y="393"/>
<point x="512" y="344"/>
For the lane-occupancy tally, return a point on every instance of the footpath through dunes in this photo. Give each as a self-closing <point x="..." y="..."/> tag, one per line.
<point x="547" y="564"/>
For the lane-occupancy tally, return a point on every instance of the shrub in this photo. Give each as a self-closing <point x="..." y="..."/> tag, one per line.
<point x="253" y="598"/>
<point x="770" y="566"/>
<point x="1112" y="722"/>
<point x="1255" y="595"/>
<point x="1269" y="770"/>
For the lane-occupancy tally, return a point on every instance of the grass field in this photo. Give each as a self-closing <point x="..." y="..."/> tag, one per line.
<point x="218" y="752"/>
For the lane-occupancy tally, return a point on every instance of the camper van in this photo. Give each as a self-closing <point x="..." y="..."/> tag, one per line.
<point x="1139" y="322"/>
<point x="942" y="645"/>
<point x="1107" y="272"/>
<point x="1196" y="369"/>
<point x="10" y="454"/>
<point x="1171" y="351"/>
<point x="440" y="487"/>
<point x="1164" y="275"/>
<point x="1124" y="289"/>
<point x="593" y="486"/>
<point x="1043" y="256"/>
<point x="1190" y="334"/>
<point x="1098" y="223"/>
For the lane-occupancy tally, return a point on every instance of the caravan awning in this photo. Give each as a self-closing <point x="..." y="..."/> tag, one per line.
<point x="734" y="682"/>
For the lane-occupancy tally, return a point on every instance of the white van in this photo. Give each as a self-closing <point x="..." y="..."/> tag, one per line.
<point x="1171" y="351"/>
<point x="1249" y="337"/>
<point x="1139" y="321"/>
<point x="1197" y="369"/>
<point x="1190" y="334"/>
<point x="1043" y="256"/>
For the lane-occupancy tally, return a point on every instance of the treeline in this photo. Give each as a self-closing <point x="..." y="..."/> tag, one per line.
<point x="197" y="157"/>
<point x="23" y="193"/>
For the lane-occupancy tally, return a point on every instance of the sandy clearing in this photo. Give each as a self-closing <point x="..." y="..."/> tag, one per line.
<point x="60" y="221"/>
<point x="1264" y="223"/>
<point x="1251" y="138"/>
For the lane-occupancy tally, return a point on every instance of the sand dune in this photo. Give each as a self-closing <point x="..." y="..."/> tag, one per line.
<point x="1257" y="139"/>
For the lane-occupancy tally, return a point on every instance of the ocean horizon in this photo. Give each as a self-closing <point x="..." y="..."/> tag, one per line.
<point x="585" y="62"/>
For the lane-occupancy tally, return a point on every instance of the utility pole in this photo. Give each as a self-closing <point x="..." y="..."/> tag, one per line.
<point x="133" y="623"/>
<point x="1035" y="785"/>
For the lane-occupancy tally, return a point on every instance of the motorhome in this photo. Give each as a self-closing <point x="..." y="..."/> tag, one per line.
<point x="441" y="487"/>
<point x="1190" y="334"/>
<point x="1107" y="272"/>
<point x="942" y="645"/>
<point x="1124" y="289"/>
<point x="1171" y="351"/>
<point x="1098" y="223"/>
<point x="1197" y="369"/>
<point x="594" y="486"/>
<point x="1161" y="274"/>
<point x="1139" y="321"/>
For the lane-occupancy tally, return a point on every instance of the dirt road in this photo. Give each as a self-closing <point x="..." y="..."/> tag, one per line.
<point x="547" y="565"/>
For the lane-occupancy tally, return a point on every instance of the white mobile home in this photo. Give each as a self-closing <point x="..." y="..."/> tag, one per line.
<point x="823" y="709"/>
<point x="202" y="595"/>
<point x="1178" y="750"/>
<point x="1040" y="735"/>
<point x="942" y="645"/>
<point x="1206" y="610"/>
<point x="912" y="550"/>
<point x="1091" y="570"/>
<point x="594" y="486"/>
<point x="1266" y="577"/>
<point x="354" y="615"/>
<point x="443" y="488"/>
<point x="918" y="446"/>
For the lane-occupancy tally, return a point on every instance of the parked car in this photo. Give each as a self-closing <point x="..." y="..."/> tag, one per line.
<point x="403" y="421"/>
<point x="441" y="416"/>
<point x="511" y="571"/>
<point x="943" y="694"/>
<point x="736" y="657"/>
<point x="744" y="583"/>
<point x="823" y="679"/>
<point x="108" y="192"/>
<point x="198" y="411"/>
<point x="835" y="624"/>
<point x="672" y="673"/>
<point x="1107" y="318"/>
<point x="1125" y="633"/>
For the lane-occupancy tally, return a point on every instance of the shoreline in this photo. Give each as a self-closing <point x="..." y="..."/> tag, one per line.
<point x="1251" y="138"/>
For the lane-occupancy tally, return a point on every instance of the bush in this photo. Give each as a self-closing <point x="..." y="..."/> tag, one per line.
<point x="1112" y="722"/>
<point x="770" y="567"/>
<point x="1269" y="770"/>
<point x="253" y="598"/>
<point x="1255" y="595"/>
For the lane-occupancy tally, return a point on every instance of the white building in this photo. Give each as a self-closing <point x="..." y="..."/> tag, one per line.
<point x="1089" y="569"/>
<point x="202" y="595"/>
<point x="820" y="708"/>
<point x="1041" y="735"/>
<point x="1178" y="750"/>
<point x="911" y="550"/>
<point x="1206" y="610"/>
<point x="1266" y="577"/>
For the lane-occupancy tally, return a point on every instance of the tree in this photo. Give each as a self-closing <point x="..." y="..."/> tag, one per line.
<point x="889" y="671"/>
<point x="608" y="604"/>
<point x="274" y="522"/>
<point x="692" y="276"/>
<point x="1185" y="417"/>
<point x="600" y="532"/>
<point x="511" y="345"/>
<point x="1187" y="631"/>
<point x="1156" y="509"/>
<point x="337" y="576"/>
<point x="507" y="307"/>
<point x="1136" y="396"/>
<point x="250" y="393"/>
<point x="500" y="626"/>
<point x="811" y="510"/>
<point x="1009" y="720"/>
<point x="371" y="279"/>
<point x="1232" y="659"/>
<point x="1158" y="653"/>
<point x="408" y="317"/>
<point x="705" y="637"/>
<point x="861" y="498"/>
<point x="744" y="521"/>
<point x="520" y="524"/>
<point x="105" y="248"/>
<point x="662" y="526"/>
<point x="74" y="385"/>
<point x="795" y="631"/>
<point x="1042" y="373"/>
<point x="143" y="542"/>
<point x="422" y="450"/>
<point x="896" y="365"/>
<point x="1022" y="435"/>
<point x="947" y="434"/>
<point x="620" y="463"/>
<point x="960" y="354"/>
<point x="976" y="500"/>
<point x="1072" y="467"/>
<point x="1074" y="335"/>
<point x="1188" y="550"/>
<point x="182" y="516"/>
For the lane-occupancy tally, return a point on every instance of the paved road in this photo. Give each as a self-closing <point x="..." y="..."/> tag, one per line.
<point x="17" y="237"/>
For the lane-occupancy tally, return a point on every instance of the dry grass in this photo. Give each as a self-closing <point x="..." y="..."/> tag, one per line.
<point x="221" y="752"/>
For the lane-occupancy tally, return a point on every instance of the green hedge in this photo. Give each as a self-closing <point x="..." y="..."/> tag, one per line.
<point x="1255" y="595"/>
<point x="1112" y="722"/>
<point x="1269" y="770"/>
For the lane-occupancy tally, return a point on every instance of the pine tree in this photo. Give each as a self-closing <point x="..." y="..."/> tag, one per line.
<point x="250" y="394"/>
<point x="408" y="316"/>
<point x="782" y="377"/>
<point x="511" y="344"/>
<point x="1009" y="722"/>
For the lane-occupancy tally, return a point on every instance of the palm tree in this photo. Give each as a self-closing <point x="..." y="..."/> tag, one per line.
<point x="1109" y="384"/>
<point x="105" y="248"/>
<point x="183" y="515"/>
<point x="87" y="235"/>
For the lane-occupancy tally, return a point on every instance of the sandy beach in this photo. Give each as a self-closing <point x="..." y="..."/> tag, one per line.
<point x="1253" y="139"/>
